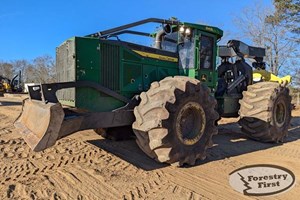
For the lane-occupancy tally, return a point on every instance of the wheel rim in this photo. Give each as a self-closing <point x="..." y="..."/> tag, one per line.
<point x="190" y="123"/>
<point x="280" y="113"/>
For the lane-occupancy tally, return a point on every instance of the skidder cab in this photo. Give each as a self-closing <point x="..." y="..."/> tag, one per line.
<point x="170" y="93"/>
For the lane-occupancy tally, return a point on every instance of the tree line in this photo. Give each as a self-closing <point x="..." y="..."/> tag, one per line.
<point x="38" y="70"/>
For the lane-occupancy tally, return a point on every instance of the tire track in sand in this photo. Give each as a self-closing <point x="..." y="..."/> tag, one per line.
<point x="68" y="159"/>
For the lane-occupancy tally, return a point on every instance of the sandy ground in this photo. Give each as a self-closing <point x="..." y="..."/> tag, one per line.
<point x="85" y="166"/>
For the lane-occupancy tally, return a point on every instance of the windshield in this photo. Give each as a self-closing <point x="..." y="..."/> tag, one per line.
<point x="186" y="51"/>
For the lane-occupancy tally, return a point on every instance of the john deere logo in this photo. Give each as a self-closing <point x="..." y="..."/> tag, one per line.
<point x="259" y="180"/>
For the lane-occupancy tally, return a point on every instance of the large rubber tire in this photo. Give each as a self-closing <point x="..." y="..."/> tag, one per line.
<point x="175" y="120"/>
<point x="265" y="112"/>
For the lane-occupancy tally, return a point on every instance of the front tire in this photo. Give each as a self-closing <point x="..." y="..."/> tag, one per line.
<point x="175" y="120"/>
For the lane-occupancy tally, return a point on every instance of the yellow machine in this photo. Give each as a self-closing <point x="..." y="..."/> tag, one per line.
<point x="11" y="85"/>
<point x="5" y="85"/>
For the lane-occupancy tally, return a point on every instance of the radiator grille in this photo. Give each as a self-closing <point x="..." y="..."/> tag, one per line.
<point x="110" y="66"/>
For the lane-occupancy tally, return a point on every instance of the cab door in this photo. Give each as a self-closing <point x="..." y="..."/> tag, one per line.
<point x="207" y="59"/>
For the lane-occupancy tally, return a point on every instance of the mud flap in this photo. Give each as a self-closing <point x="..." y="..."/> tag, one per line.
<point x="39" y="123"/>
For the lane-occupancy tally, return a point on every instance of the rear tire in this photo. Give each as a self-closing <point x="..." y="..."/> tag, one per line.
<point x="175" y="121"/>
<point x="266" y="112"/>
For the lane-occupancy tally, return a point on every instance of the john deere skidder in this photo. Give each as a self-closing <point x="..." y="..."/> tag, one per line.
<point x="171" y="93"/>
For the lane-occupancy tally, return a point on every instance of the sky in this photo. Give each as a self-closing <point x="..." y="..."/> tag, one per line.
<point x="32" y="28"/>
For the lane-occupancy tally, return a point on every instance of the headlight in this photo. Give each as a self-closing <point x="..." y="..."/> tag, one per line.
<point x="181" y="29"/>
<point x="187" y="31"/>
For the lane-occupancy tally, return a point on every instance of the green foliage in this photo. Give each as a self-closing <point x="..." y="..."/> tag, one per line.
<point x="288" y="12"/>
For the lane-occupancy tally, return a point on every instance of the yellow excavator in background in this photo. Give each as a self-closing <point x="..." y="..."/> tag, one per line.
<point x="4" y="85"/>
<point x="8" y="86"/>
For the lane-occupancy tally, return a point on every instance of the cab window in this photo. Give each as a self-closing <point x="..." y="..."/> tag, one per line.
<point x="206" y="52"/>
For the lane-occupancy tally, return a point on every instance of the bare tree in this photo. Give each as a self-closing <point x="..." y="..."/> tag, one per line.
<point x="6" y="69"/>
<point x="21" y="65"/>
<point x="255" y="24"/>
<point x="43" y="69"/>
<point x="39" y="70"/>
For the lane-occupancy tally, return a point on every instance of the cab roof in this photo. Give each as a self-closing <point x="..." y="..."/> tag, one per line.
<point x="209" y="29"/>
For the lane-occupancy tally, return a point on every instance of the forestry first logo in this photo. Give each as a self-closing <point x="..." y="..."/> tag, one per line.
<point x="259" y="180"/>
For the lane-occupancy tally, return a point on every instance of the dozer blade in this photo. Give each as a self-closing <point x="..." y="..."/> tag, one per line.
<point x="43" y="120"/>
<point x="40" y="123"/>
